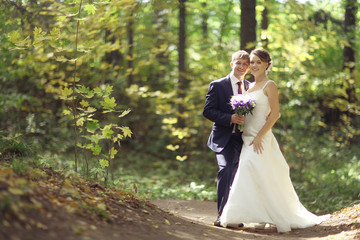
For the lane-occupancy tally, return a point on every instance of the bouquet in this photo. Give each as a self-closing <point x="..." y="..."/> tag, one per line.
<point x="242" y="104"/>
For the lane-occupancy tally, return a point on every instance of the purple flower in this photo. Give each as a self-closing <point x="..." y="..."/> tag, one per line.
<point x="242" y="104"/>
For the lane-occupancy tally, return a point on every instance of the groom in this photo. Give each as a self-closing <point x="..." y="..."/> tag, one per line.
<point x="225" y="139"/>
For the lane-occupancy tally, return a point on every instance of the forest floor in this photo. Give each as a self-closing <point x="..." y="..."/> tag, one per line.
<point x="41" y="203"/>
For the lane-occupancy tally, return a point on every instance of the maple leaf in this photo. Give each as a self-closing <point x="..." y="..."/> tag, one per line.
<point x="108" y="89"/>
<point x="113" y="152"/>
<point x="96" y="149"/>
<point x="104" y="163"/>
<point x="127" y="132"/>
<point x="66" y="92"/>
<point x="92" y="126"/>
<point x="90" y="9"/>
<point x="107" y="132"/>
<point x="84" y="103"/>
<point x="108" y="103"/>
<point x="80" y="122"/>
<point x="66" y="112"/>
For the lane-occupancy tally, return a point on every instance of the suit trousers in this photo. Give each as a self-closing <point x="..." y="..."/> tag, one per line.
<point x="228" y="161"/>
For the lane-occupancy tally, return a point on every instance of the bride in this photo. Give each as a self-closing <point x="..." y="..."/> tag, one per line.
<point x="262" y="191"/>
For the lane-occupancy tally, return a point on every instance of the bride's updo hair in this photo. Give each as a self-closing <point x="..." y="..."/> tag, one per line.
<point x="264" y="56"/>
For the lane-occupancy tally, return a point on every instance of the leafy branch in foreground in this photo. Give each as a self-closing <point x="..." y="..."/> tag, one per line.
<point x="100" y="137"/>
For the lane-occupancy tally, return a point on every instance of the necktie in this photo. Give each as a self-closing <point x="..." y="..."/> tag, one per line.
<point x="237" y="131"/>
<point x="239" y="89"/>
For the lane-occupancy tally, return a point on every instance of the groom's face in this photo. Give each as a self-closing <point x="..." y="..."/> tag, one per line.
<point x="240" y="66"/>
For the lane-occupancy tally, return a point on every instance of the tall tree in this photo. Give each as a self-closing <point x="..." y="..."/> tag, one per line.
<point x="183" y="82"/>
<point x="204" y="22"/>
<point x="264" y="25"/>
<point x="160" y="21"/>
<point x="350" y="27"/>
<point x="130" y="35"/>
<point x="248" y="25"/>
<point x="349" y="50"/>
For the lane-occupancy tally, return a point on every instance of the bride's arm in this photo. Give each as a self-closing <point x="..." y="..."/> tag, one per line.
<point x="272" y="93"/>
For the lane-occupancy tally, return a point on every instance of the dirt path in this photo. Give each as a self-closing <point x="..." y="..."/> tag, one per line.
<point x="339" y="226"/>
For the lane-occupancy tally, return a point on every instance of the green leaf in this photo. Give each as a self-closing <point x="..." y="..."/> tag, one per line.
<point x="90" y="110"/>
<point x="80" y="122"/>
<point x="90" y="8"/>
<point x="55" y="33"/>
<point x="83" y="89"/>
<point x="181" y="158"/>
<point x="96" y="149"/>
<point x="107" y="132"/>
<point x="66" y="92"/>
<point x="37" y="32"/>
<point x="113" y="152"/>
<point x="98" y="91"/>
<point x="92" y="126"/>
<point x="108" y="103"/>
<point x="95" y="138"/>
<point x="84" y="103"/>
<point x="126" y="130"/>
<point x="108" y="89"/>
<point x="14" y="36"/>
<point x="66" y="112"/>
<point x="104" y="163"/>
<point x="124" y="113"/>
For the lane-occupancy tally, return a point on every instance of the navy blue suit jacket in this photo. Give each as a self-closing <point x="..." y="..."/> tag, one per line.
<point x="218" y="110"/>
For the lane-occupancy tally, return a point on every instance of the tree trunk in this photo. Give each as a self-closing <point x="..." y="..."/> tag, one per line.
<point x="114" y="57"/>
<point x="157" y="78"/>
<point x="264" y="25"/>
<point x="204" y="18"/>
<point x="349" y="51"/>
<point x="130" y="35"/>
<point x="183" y="82"/>
<point x="248" y="25"/>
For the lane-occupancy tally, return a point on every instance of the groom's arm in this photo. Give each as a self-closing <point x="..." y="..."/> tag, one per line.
<point x="212" y="109"/>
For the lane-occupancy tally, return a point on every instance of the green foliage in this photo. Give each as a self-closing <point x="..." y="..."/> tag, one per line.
<point x="15" y="146"/>
<point x="319" y="121"/>
<point x="162" y="188"/>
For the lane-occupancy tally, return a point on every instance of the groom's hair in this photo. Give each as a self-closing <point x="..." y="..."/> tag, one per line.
<point x="241" y="54"/>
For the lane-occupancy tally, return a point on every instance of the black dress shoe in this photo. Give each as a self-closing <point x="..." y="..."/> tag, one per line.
<point x="217" y="223"/>
<point x="235" y="226"/>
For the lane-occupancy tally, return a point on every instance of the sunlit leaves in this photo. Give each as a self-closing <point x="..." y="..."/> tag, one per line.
<point x="124" y="113"/>
<point x="90" y="8"/>
<point x="66" y="93"/>
<point x="126" y="131"/>
<point x="107" y="131"/>
<point x="113" y="152"/>
<point x="96" y="150"/>
<point x="14" y="36"/>
<point x="108" y="103"/>
<point x="92" y="126"/>
<point x="66" y="112"/>
<point x="104" y="163"/>
<point x="84" y="103"/>
<point x="80" y="121"/>
<point x="172" y="147"/>
<point x="181" y="158"/>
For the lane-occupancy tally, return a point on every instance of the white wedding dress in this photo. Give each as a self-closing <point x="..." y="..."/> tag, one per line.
<point x="262" y="191"/>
